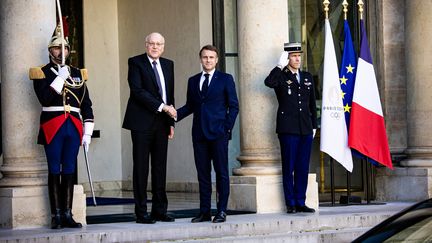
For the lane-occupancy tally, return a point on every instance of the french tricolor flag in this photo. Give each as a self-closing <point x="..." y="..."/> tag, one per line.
<point x="367" y="133"/>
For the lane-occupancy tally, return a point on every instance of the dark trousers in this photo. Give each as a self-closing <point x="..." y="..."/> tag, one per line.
<point x="205" y="151"/>
<point x="62" y="152"/>
<point x="148" y="144"/>
<point x="295" y="152"/>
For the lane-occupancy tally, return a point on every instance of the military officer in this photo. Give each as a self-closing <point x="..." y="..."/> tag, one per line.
<point x="66" y="122"/>
<point x="295" y="125"/>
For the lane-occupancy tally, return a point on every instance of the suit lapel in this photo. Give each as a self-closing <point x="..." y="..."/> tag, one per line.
<point x="197" y="84"/>
<point x="212" y="82"/>
<point x="167" y="77"/>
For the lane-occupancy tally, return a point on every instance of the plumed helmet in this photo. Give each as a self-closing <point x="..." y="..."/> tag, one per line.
<point x="57" y="39"/>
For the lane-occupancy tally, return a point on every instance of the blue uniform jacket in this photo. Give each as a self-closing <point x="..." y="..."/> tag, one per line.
<point x="296" y="113"/>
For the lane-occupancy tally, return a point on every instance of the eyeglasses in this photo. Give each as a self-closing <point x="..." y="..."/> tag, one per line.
<point x="156" y="44"/>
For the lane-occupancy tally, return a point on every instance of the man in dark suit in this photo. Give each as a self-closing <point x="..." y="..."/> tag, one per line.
<point x="212" y="98"/>
<point x="296" y="124"/>
<point x="151" y="83"/>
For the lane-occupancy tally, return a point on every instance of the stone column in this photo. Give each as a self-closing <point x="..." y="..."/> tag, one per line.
<point x="25" y="29"/>
<point x="413" y="181"/>
<point x="262" y="30"/>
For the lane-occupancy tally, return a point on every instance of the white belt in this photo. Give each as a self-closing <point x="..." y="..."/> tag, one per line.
<point x="66" y="108"/>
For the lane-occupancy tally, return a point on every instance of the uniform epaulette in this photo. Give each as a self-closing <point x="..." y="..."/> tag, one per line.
<point x="36" y="73"/>
<point x="84" y="74"/>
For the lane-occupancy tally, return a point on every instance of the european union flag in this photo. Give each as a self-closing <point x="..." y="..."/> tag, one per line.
<point x="347" y="80"/>
<point x="348" y="73"/>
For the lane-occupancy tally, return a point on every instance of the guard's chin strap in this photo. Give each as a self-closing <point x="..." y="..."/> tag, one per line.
<point x="55" y="59"/>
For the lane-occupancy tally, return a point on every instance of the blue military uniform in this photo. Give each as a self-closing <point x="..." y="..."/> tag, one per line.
<point x="61" y="132"/>
<point x="74" y="108"/>
<point x="296" y="119"/>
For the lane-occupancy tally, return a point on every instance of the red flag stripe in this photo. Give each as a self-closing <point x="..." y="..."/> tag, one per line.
<point x="367" y="134"/>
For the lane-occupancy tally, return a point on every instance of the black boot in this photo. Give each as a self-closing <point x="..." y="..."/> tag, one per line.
<point x="54" y="196"/>
<point x="67" y="189"/>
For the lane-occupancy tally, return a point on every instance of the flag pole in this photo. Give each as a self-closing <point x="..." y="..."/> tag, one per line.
<point x="326" y="7"/>
<point x="326" y="4"/>
<point x="368" y="167"/>
<point x="360" y="4"/>
<point x="345" y="9"/>
<point x="348" y="174"/>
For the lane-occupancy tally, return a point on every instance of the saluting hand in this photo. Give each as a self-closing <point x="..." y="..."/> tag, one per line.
<point x="283" y="60"/>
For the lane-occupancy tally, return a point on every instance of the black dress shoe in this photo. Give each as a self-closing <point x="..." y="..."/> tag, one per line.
<point x="202" y="217"/>
<point x="146" y="219"/>
<point x="220" y="217"/>
<point x="163" y="217"/>
<point x="305" y="209"/>
<point x="291" y="209"/>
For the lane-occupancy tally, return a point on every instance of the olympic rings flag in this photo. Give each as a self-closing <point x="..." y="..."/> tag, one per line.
<point x="334" y="133"/>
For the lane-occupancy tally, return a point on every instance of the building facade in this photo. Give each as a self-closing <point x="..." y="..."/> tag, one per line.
<point x="250" y="34"/>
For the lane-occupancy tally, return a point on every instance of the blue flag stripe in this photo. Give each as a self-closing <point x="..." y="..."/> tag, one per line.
<point x="364" y="46"/>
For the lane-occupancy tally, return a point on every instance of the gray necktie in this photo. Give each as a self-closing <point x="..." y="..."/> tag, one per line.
<point x="296" y="75"/>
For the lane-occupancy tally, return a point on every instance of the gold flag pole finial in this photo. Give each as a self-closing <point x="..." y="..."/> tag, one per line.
<point x="360" y="4"/>
<point x="345" y="9"/>
<point x="326" y="7"/>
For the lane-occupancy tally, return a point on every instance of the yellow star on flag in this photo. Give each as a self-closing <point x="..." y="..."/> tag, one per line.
<point x="343" y="80"/>
<point x="343" y="95"/>
<point x="347" y="108"/>
<point x="350" y="68"/>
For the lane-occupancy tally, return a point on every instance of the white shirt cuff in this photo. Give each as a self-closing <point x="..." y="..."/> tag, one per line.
<point x="160" y="107"/>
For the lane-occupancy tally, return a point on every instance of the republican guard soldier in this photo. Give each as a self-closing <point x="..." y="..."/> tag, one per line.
<point x="66" y="122"/>
<point x="295" y="125"/>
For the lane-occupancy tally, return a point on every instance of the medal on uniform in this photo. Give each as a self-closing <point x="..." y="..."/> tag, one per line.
<point x="289" y="87"/>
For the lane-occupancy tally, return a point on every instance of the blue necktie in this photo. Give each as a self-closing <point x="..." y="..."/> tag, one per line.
<point x="157" y="77"/>
<point x="204" y="87"/>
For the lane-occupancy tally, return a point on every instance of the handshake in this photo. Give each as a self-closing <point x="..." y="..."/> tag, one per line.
<point x="171" y="111"/>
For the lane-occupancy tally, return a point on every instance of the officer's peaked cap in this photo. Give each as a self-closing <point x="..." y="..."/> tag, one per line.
<point x="293" y="47"/>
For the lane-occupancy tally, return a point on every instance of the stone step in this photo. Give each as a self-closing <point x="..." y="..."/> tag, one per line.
<point x="330" y="236"/>
<point x="330" y="224"/>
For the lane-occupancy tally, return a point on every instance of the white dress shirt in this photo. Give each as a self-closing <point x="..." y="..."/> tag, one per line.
<point x="162" y="81"/>
<point x="203" y="78"/>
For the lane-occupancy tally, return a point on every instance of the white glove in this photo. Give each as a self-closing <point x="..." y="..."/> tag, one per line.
<point x="64" y="72"/>
<point x="57" y="84"/>
<point x="86" y="140"/>
<point x="314" y="132"/>
<point x="283" y="60"/>
<point x="88" y="131"/>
